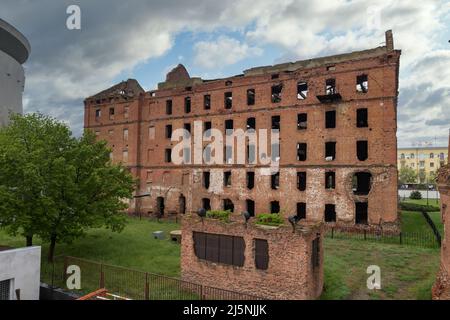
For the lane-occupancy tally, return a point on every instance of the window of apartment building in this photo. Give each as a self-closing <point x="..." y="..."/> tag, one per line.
<point x="301" y="151"/>
<point x="228" y="205"/>
<point x="125" y="156"/>
<point x="187" y="105"/>
<point x="218" y="248"/>
<point x="361" y="213"/>
<point x="250" y="206"/>
<point x="330" y="213"/>
<point x="302" y="121"/>
<point x="250" y="180"/>
<point x="251" y="95"/>
<point x="206" y="179"/>
<point x="276" y="123"/>
<point x="412" y="156"/>
<point x="207" y="102"/>
<point x="169" y="131"/>
<point x="125" y="134"/>
<point x="301" y="210"/>
<point x="168" y="155"/>
<point x="261" y="254"/>
<point x="362" y="118"/>
<point x="98" y="113"/>
<point x="206" y="204"/>
<point x="111" y="113"/>
<point x="168" y="107"/>
<point x="330" y="119"/>
<point x="276" y="93"/>
<point x="330" y="150"/>
<point x="330" y="180"/>
<point x="274" y="207"/>
<point x="362" y="183"/>
<point x="362" y="150"/>
<point x="275" y="181"/>
<point x="431" y="164"/>
<point x="302" y="90"/>
<point x="330" y="86"/>
<point x="125" y="112"/>
<point x="315" y="256"/>
<point x="362" y="83"/>
<point x="402" y="156"/>
<point x="228" y="126"/>
<point x="301" y="180"/>
<point x="431" y="155"/>
<point x="227" y="178"/>
<point x="422" y="164"/>
<point x="228" y="100"/>
<point x="251" y="124"/>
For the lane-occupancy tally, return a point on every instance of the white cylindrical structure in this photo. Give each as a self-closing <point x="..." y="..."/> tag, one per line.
<point x="14" y="51"/>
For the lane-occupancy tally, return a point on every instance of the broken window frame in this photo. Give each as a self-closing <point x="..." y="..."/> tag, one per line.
<point x="169" y="107"/>
<point x="362" y="83"/>
<point x="276" y="93"/>
<point x="207" y="102"/>
<point x="301" y="210"/>
<point x="364" y="206"/>
<point x="168" y="155"/>
<point x="206" y="204"/>
<point x="302" y="121"/>
<point x="330" y="180"/>
<point x="276" y="123"/>
<point x="302" y="90"/>
<point x="249" y="205"/>
<point x="273" y="205"/>
<point x="251" y="123"/>
<point x="228" y="204"/>
<point x="228" y="100"/>
<point x="302" y="151"/>
<point x="330" y="150"/>
<point x="227" y="179"/>
<point x="362" y="150"/>
<point x="250" y="179"/>
<point x="330" y="209"/>
<point x="362" y="183"/>
<point x="251" y="97"/>
<point x="187" y="105"/>
<point x="330" y="119"/>
<point x="301" y="180"/>
<point x="206" y="179"/>
<point x="362" y="118"/>
<point x="275" y="181"/>
<point x="330" y="86"/>
<point x="168" y="131"/>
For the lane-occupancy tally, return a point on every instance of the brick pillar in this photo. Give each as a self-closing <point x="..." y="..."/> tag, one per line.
<point x="389" y="40"/>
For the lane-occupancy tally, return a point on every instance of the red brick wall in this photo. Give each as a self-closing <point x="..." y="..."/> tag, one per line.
<point x="290" y="274"/>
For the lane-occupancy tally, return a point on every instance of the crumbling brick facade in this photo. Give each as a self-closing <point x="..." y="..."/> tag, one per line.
<point x="293" y="269"/>
<point x="441" y="289"/>
<point x="341" y="108"/>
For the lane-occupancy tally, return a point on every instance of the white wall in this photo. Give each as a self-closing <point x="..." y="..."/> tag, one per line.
<point x="12" y="82"/>
<point x="23" y="266"/>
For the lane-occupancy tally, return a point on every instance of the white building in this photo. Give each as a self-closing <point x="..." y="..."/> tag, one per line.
<point x="20" y="271"/>
<point x="14" y="51"/>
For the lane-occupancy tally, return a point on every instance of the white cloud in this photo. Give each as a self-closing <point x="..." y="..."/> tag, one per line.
<point x="222" y="52"/>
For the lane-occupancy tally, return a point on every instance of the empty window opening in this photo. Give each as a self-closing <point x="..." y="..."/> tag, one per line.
<point x="228" y="83"/>
<point x="98" y="113"/>
<point x="251" y="124"/>
<point x="207" y="102"/>
<point x="227" y="178"/>
<point x="160" y="206"/>
<point x="362" y="150"/>
<point x="250" y="205"/>
<point x="362" y="118"/>
<point x="330" y="151"/>
<point x="206" y="204"/>
<point x="330" y="119"/>
<point x="302" y="121"/>
<point x="276" y="93"/>
<point x="302" y="90"/>
<point x="250" y="180"/>
<point x="228" y="100"/>
<point x="330" y="86"/>
<point x="331" y="68"/>
<point x="261" y="254"/>
<point x="206" y="179"/>
<point x="362" y="83"/>
<point x="275" y="207"/>
<point x="361" y="213"/>
<point x="275" y="76"/>
<point x="228" y="205"/>
<point x="251" y="97"/>
<point x="301" y="151"/>
<point x="187" y="127"/>
<point x="168" y="156"/>
<point x="362" y="183"/>
<point x="276" y="123"/>
<point x="301" y="210"/>
<point x="111" y="111"/>
<point x="182" y="204"/>
<point x="169" y="131"/>
<point x="187" y="104"/>
<point x="330" y="180"/>
<point x="301" y="181"/>
<point x="275" y="181"/>
<point x="330" y="213"/>
<point x="188" y="88"/>
<point x="228" y="126"/>
<point x="125" y="134"/>
<point x="169" y="107"/>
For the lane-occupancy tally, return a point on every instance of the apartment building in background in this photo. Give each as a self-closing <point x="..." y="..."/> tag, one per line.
<point x="337" y="121"/>
<point x="425" y="161"/>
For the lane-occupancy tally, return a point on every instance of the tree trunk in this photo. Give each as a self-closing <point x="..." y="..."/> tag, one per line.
<point x="51" y="250"/>
<point x="29" y="240"/>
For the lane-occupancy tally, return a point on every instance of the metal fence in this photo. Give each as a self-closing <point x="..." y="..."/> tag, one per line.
<point x="420" y="239"/>
<point x="131" y="284"/>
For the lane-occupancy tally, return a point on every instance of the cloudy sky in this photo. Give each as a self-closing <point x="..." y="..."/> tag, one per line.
<point x="145" y="39"/>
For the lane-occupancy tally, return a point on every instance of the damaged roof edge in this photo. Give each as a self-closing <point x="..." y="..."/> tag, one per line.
<point x="130" y="88"/>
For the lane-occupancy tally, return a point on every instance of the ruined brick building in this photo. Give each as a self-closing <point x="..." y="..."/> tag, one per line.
<point x="337" y="121"/>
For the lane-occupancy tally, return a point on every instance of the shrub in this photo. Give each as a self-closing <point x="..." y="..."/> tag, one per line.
<point x="408" y="206"/>
<point x="416" y="195"/>
<point x="269" y="219"/>
<point x="219" y="214"/>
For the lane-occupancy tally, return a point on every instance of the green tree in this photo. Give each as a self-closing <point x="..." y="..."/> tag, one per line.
<point x="407" y="175"/>
<point x="60" y="186"/>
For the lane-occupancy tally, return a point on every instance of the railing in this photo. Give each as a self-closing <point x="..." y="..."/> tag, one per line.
<point x="131" y="284"/>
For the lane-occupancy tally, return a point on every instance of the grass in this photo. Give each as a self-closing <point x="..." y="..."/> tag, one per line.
<point x="407" y="272"/>
<point x="431" y="202"/>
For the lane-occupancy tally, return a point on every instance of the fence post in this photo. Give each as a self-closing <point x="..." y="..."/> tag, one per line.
<point x="102" y="277"/>
<point x="401" y="237"/>
<point x="147" y="287"/>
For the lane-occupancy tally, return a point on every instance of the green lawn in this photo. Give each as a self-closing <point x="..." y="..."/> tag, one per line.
<point x="431" y="202"/>
<point x="407" y="272"/>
